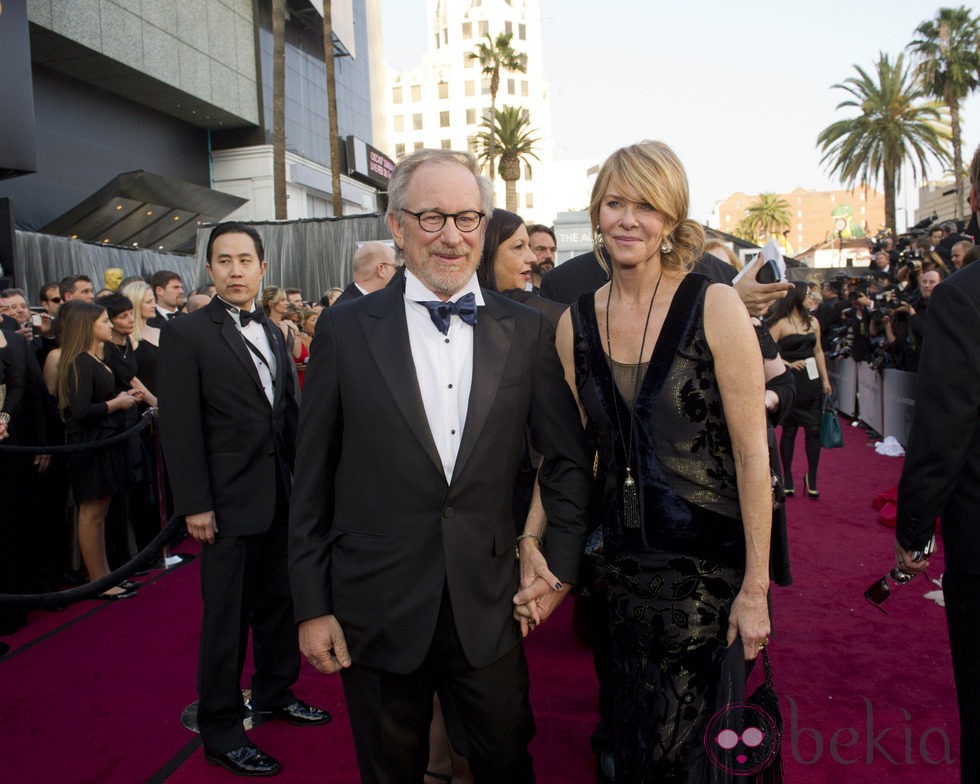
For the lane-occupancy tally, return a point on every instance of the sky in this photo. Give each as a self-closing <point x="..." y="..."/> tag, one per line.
<point x="740" y="90"/>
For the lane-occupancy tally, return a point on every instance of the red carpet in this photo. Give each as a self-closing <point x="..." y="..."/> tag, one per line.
<point x="94" y="694"/>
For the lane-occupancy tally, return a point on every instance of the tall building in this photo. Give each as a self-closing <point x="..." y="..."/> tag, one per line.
<point x="181" y="93"/>
<point x="816" y="215"/>
<point x="442" y="102"/>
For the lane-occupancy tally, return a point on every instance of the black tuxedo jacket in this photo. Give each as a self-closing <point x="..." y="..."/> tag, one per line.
<point x="352" y="292"/>
<point x="376" y="531"/>
<point x="941" y="475"/>
<point x="222" y="440"/>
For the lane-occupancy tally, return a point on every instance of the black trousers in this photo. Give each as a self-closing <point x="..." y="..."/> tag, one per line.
<point x="390" y="714"/>
<point x="244" y="582"/>
<point x="962" y="594"/>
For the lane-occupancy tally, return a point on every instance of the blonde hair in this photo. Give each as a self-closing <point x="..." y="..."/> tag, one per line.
<point x="136" y="292"/>
<point x="729" y="254"/>
<point x="652" y="170"/>
<point x="271" y="296"/>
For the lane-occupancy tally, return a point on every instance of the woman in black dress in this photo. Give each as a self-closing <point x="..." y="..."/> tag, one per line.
<point x="93" y="410"/>
<point x="797" y="334"/>
<point x="669" y="377"/>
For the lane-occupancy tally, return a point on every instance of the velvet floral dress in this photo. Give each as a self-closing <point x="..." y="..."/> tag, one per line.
<point x="671" y="576"/>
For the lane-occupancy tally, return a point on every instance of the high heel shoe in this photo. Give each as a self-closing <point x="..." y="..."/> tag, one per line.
<point x="810" y="491"/>
<point x="789" y="490"/>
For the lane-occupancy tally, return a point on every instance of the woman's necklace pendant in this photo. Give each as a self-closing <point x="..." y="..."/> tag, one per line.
<point x="631" y="505"/>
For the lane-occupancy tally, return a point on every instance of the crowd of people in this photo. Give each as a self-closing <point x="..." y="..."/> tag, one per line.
<point x="611" y="422"/>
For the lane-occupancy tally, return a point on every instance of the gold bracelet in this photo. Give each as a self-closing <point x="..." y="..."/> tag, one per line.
<point x="517" y="543"/>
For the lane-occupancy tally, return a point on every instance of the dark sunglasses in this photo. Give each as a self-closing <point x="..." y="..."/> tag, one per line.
<point x="55" y="300"/>
<point x="880" y="590"/>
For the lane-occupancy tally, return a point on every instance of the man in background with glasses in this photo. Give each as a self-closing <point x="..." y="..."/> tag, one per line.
<point x="941" y="477"/>
<point x="402" y="535"/>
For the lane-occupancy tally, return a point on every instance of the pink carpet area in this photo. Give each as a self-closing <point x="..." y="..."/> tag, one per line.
<point x="94" y="694"/>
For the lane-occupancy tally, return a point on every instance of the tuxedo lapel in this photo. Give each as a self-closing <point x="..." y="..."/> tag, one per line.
<point x="235" y="342"/>
<point x="491" y="348"/>
<point x="386" y="334"/>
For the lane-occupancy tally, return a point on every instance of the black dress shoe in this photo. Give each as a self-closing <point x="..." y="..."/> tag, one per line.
<point x="605" y="768"/>
<point x="298" y="713"/>
<point x="247" y="760"/>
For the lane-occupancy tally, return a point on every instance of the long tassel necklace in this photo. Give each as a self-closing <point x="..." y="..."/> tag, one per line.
<point x="631" y="505"/>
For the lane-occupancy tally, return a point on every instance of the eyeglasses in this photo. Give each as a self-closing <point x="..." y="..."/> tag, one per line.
<point x="55" y="300"/>
<point x="433" y="220"/>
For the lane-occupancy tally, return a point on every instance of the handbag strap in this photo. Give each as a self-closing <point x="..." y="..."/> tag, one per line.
<point x="767" y="671"/>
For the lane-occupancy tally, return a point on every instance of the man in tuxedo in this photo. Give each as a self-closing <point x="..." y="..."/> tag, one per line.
<point x="168" y="288"/>
<point x="941" y="477"/>
<point x="402" y="534"/>
<point x="228" y="412"/>
<point x="374" y="266"/>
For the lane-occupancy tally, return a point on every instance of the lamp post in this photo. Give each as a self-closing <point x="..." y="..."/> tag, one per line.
<point x="840" y="224"/>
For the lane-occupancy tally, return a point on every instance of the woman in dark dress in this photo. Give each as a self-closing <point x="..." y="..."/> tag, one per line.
<point x="668" y="374"/>
<point x="797" y="334"/>
<point x="93" y="410"/>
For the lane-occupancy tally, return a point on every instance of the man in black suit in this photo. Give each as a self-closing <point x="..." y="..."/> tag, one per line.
<point x="941" y="477"/>
<point x="168" y="289"/>
<point x="374" y="266"/>
<point x="402" y="534"/>
<point x="228" y="410"/>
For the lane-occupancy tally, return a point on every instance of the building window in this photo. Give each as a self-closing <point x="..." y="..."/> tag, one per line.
<point x="799" y="213"/>
<point x="399" y="123"/>
<point x="467" y="31"/>
<point x="447" y="144"/>
<point x="445" y="35"/>
<point x="484" y="28"/>
<point x="437" y="40"/>
<point x="529" y="200"/>
<point x="509" y="28"/>
<point x="485" y="86"/>
<point x="469" y="88"/>
<point x="443" y="89"/>
<point x="799" y="227"/>
<point x="522" y="32"/>
<point x="416" y="92"/>
<point x="527" y="172"/>
<point x="399" y="151"/>
<point x="443" y="119"/>
<point x="473" y="144"/>
<point x="511" y="86"/>
<point x="524" y="87"/>
<point x="396" y="94"/>
<point x="471" y="116"/>
<point x="417" y="146"/>
<point x="417" y="122"/>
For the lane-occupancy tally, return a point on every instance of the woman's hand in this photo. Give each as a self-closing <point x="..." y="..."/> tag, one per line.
<point x="749" y="619"/>
<point x="541" y="590"/>
<point x="799" y="364"/>
<point x="826" y="387"/>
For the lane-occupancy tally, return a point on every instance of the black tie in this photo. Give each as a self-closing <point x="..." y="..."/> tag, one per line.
<point x="245" y="316"/>
<point x="441" y="312"/>
<point x="172" y="315"/>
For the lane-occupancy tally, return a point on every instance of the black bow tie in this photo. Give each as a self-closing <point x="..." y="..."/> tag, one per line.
<point x="172" y="315"/>
<point x="441" y="312"/>
<point x="245" y="316"/>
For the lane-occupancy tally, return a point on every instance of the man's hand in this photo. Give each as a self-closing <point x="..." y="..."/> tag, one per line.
<point x="906" y="563"/>
<point x="322" y="642"/>
<point x="41" y="462"/>
<point x="756" y="296"/>
<point x="202" y="526"/>
<point x="535" y="603"/>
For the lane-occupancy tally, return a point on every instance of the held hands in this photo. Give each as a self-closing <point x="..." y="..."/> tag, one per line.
<point x="541" y="590"/>
<point x="749" y="619"/>
<point x="322" y="642"/>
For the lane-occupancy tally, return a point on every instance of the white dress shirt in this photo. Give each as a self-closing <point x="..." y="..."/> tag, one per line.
<point x="443" y="365"/>
<point x="256" y="335"/>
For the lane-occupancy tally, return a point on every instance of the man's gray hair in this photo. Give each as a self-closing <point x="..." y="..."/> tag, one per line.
<point x="398" y="187"/>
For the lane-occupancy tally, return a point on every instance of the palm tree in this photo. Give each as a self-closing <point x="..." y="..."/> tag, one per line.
<point x="332" y="126"/>
<point x="765" y="217"/>
<point x="948" y="52"/>
<point x="897" y="124"/>
<point x="496" y="56"/>
<point x="510" y="138"/>
<point x="279" y="108"/>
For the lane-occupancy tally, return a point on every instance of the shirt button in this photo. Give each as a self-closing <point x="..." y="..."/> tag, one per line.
<point x="452" y="432"/>
<point x="446" y="340"/>
<point x="450" y="386"/>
